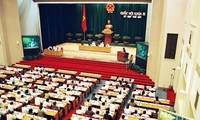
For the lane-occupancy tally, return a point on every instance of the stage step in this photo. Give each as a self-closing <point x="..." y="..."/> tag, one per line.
<point x="106" y="69"/>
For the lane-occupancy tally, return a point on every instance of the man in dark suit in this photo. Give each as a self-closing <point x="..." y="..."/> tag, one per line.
<point x="126" y="54"/>
<point x="107" y="116"/>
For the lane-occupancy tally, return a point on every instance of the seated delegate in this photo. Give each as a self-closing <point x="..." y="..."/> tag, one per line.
<point x="93" y="44"/>
<point x="107" y="45"/>
<point x="54" y="48"/>
<point x="101" y="44"/>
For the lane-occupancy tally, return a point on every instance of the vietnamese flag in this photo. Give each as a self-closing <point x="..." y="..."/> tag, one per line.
<point x="84" y="24"/>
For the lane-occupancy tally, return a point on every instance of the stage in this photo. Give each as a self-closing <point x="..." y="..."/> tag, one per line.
<point x="71" y="50"/>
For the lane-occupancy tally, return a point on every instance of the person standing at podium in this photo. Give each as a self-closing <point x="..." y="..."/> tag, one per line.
<point x="107" y="32"/>
<point x="125" y="54"/>
<point x="108" y="28"/>
<point x="123" y="50"/>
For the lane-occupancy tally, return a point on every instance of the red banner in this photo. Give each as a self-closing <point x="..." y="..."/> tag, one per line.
<point x="84" y="24"/>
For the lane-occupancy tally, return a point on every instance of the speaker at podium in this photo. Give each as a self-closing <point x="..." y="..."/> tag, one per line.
<point x="122" y="56"/>
<point x="126" y="55"/>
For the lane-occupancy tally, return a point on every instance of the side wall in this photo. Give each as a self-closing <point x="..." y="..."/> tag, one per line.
<point x="190" y="59"/>
<point x="181" y="17"/>
<point x="10" y="35"/>
<point x="29" y="17"/>
<point x="154" y="41"/>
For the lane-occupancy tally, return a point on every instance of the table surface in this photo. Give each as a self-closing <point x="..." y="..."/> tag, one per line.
<point x="22" y="66"/>
<point x="2" y="76"/>
<point x="67" y="72"/>
<point x="2" y="92"/>
<point x="49" y="69"/>
<point x="151" y="105"/>
<point x="80" y="117"/>
<point x="7" y="72"/>
<point x="114" y="78"/>
<point x="90" y="75"/>
<point x="95" y="48"/>
<point x="149" y="99"/>
<point x="47" y="111"/>
<point x="7" y="87"/>
<point x="27" y="116"/>
<point x="87" y="79"/>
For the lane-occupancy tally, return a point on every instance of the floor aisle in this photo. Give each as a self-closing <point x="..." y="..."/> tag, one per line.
<point x="95" y="90"/>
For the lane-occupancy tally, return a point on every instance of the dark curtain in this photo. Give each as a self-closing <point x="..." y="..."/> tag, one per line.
<point x="59" y="19"/>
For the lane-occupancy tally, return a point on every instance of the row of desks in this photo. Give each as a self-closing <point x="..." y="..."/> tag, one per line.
<point x="151" y="105"/>
<point x="108" y="96"/>
<point x="151" y="100"/>
<point x="134" y="117"/>
<point x="49" y="112"/>
<point x="24" y="116"/>
<point x="64" y="98"/>
<point x="146" y="102"/>
<point x="84" y="74"/>
<point x="70" y="72"/>
<point x="22" y="66"/>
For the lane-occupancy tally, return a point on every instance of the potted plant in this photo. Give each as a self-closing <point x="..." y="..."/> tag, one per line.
<point x="142" y="71"/>
<point x="126" y="39"/>
<point x="79" y="36"/>
<point x="135" y="67"/>
<point x="39" y="55"/>
<point x="99" y="37"/>
<point x="89" y="37"/>
<point x="137" y="39"/>
<point x="69" y="36"/>
<point x="25" y="58"/>
<point x="29" y="57"/>
<point x="116" y="38"/>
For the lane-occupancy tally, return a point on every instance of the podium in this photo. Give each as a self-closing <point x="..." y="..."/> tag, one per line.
<point x="122" y="56"/>
<point x="107" y="39"/>
<point x="95" y="48"/>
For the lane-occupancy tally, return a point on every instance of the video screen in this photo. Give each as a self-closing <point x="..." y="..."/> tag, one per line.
<point x="142" y="50"/>
<point x="30" y="42"/>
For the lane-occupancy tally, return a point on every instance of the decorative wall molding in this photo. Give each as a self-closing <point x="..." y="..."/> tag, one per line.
<point x="193" y="25"/>
<point x="198" y="69"/>
<point x="189" y="52"/>
<point x="183" y="41"/>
